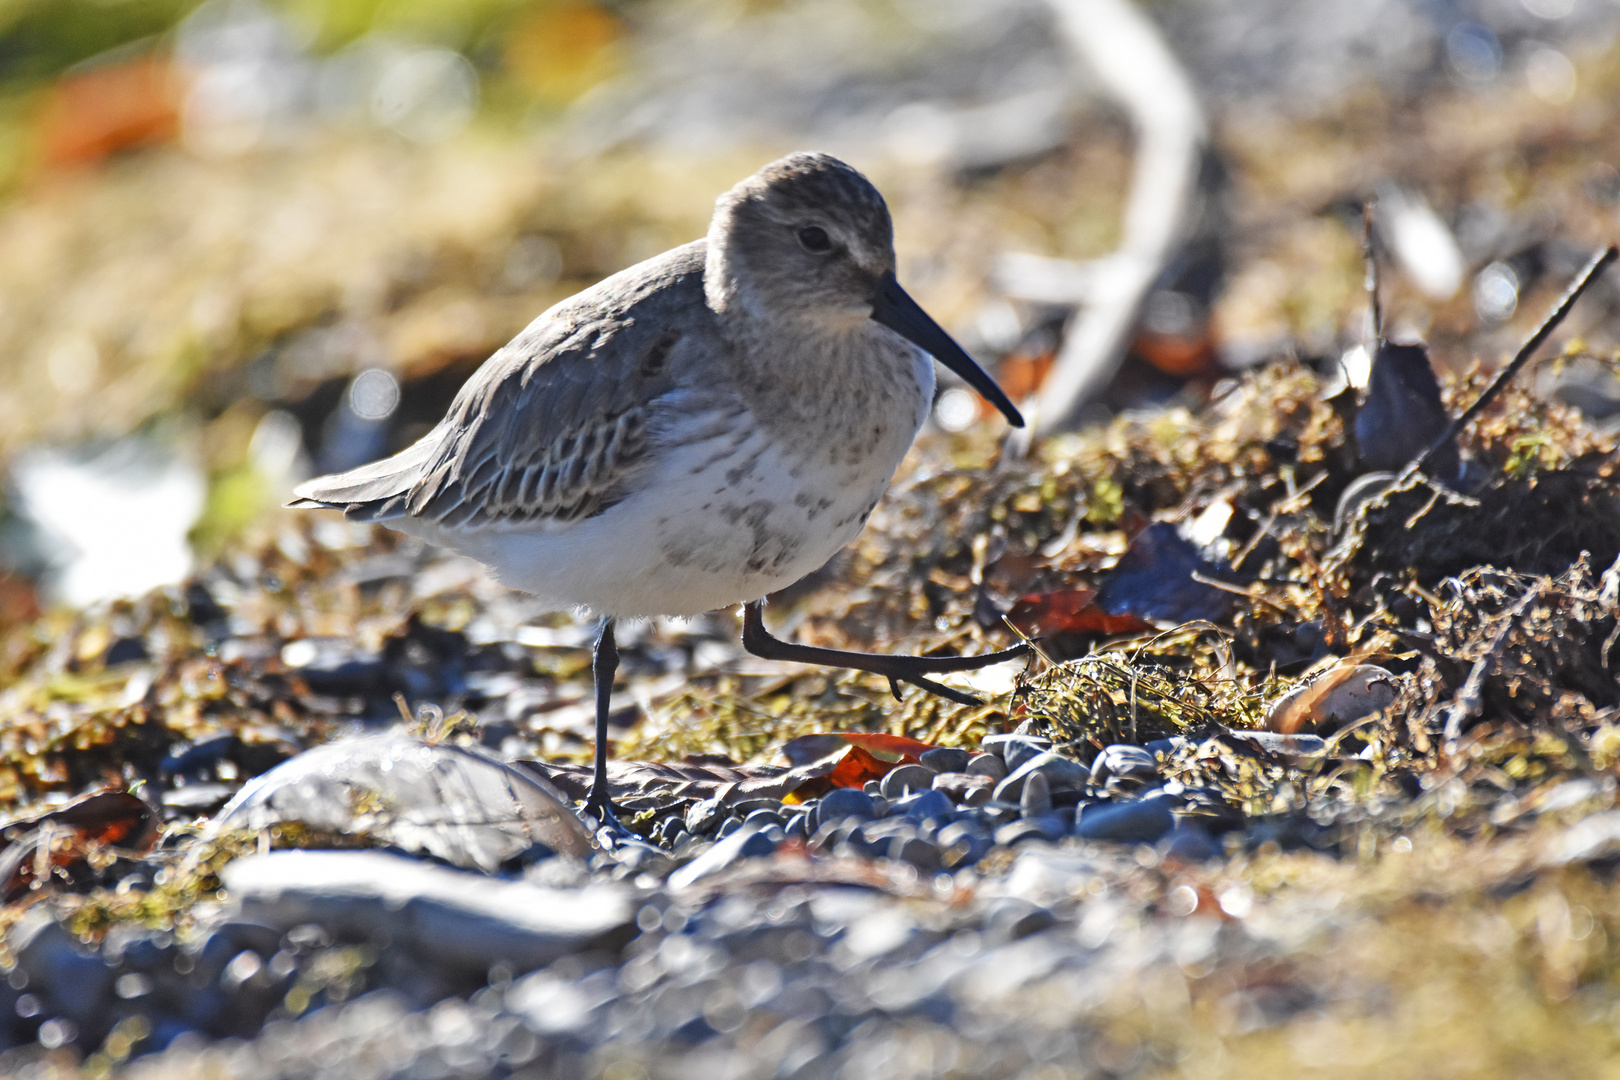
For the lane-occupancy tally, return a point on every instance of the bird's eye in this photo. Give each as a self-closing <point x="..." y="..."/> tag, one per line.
<point x="815" y="239"/>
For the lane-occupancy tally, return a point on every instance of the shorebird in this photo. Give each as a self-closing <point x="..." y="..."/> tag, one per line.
<point x="697" y="431"/>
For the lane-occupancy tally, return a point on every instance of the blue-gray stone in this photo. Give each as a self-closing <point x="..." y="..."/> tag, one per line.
<point x="944" y="759"/>
<point x="1143" y="821"/>
<point x="929" y="805"/>
<point x="1123" y="759"/>
<point x="989" y="765"/>
<point x="1190" y="843"/>
<point x="1015" y="749"/>
<point x="1062" y="774"/>
<point x="842" y="803"/>
<point x="903" y="779"/>
<point x="747" y="842"/>
<point x="1036" y="798"/>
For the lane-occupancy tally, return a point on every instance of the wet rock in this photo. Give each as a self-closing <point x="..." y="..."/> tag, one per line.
<point x="461" y="921"/>
<point x="989" y="765"/>
<point x="904" y="779"/>
<point x="944" y="759"/>
<point x="962" y="844"/>
<point x="1142" y="821"/>
<point x="748" y="842"/>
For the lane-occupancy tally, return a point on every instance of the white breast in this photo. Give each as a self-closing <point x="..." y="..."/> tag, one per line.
<point x="724" y="513"/>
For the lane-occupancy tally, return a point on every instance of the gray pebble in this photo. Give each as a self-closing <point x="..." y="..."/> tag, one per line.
<point x="916" y="851"/>
<point x="1050" y="827"/>
<point x="903" y="779"/>
<point x="1190" y="843"/>
<point x="1011" y="918"/>
<point x="1123" y="759"/>
<point x="1142" y="821"/>
<point x="746" y="843"/>
<point x="872" y="787"/>
<point x="842" y="803"/>
<point x="929" y="805"/>
<point x="1015" y="749"/>
<point x="976" y="797"/>
<point x="763" y="816"/>
<point x="989" y="765"/>
<point x="944" y="759"/>
<point x="1036" y="798"/>
<point x="1061" y="773"/>
<point x="703" y="817"/>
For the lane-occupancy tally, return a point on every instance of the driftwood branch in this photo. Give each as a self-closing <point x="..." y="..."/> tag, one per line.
<point x="1123" y="48"/>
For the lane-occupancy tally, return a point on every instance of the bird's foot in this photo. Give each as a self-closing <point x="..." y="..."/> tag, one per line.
<point x="898" y="669"/>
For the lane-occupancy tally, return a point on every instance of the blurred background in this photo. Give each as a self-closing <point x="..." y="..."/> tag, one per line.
<point x="242" y="241"/>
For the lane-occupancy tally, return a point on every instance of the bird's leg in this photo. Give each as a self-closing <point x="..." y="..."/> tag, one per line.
<point x="758" y="641"/>
<point x="604" y="663"/>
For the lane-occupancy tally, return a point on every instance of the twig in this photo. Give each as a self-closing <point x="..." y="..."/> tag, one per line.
<point x="1582" y="283"/>
<point x="1471" y="698"/>
<point x="1371" y="259"/>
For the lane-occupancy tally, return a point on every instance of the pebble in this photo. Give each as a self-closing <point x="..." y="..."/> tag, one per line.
<point x="748" y="842"/>
<point x="916" y="851"/>
<point x="1190" y="843"/>
<point x="989" y="765"/>
<point x="1015" y="749"/>
<point x="957" y="785"/>
<point x="428" y="910"/>
<point x="1061" y="774"/>
<point x="1142" y="821"/>
<point x="1289" y="746"/>
<point x="929" y="805"/>
<point x="703" y="817"/>
<point x="944" y="759"/>
<point x="1010" y="918"/>
<point x="1123" y="759"/>
<point x="903" y="779"/>
<point x="1036" y="798"/>
<point x="1050" y="827"/>
<point x="842" y="803"/>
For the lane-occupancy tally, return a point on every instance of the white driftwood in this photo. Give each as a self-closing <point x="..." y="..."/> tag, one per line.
<point x="1126" y="52"/>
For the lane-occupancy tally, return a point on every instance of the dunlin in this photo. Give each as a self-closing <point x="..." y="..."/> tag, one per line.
<point x="697" y="431"/>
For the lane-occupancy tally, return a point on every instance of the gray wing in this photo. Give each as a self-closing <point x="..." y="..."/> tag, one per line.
<point x="554" y="426"/>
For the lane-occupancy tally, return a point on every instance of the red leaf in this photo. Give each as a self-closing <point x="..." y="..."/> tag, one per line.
<point x="1069" y="611"/>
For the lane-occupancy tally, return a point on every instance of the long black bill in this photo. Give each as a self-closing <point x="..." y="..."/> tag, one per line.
<point x="900" y="313"/>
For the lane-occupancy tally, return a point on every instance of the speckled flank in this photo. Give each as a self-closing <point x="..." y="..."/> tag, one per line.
<point x="696" y="431"/>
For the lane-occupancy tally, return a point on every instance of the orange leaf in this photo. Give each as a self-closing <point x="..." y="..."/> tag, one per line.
<point x="857" y="767"/>
<point x="876" y="743"/>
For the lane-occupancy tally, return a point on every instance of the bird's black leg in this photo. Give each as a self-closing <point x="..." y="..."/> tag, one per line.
<point x="899" y="669"/>
<point x="604" y="663"/>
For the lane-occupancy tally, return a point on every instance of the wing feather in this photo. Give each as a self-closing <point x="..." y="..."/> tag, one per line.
<point x="555" y="425"/>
